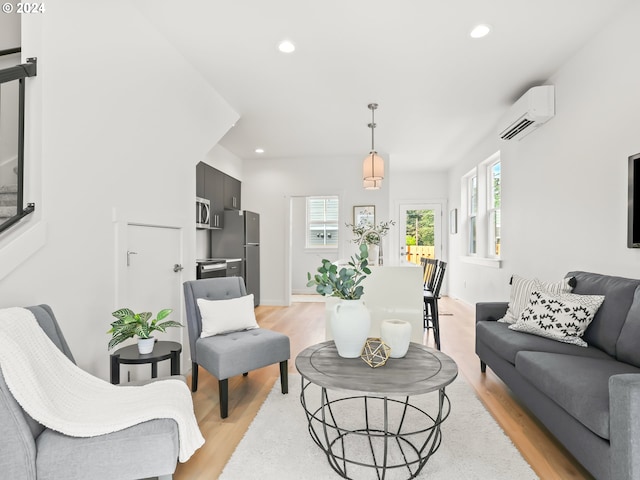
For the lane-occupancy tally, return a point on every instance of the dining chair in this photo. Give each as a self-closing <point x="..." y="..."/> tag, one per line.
<point x="429" y="272"/>
<point x="431" y="297"/>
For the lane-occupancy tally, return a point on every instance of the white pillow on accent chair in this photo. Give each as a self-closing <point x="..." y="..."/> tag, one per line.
<point x="225" y="316"/>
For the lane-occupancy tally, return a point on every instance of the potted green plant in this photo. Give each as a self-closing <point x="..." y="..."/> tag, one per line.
<point x="130" y="324"/>
<point x="350" y="319"/>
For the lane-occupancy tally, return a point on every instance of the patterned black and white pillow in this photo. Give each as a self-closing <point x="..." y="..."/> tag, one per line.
<point x="521" y="289"/>
<point x="561" y="317"/>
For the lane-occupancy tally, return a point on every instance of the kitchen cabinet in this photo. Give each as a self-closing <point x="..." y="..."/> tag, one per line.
<point x="222" y="190"/>
<point x="214" y="190"/>
<point x="200" y="174"/>
<point x="231" y="193"/>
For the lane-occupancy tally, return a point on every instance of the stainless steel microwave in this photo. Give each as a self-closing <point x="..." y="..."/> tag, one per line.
<point x="203" y="213"/>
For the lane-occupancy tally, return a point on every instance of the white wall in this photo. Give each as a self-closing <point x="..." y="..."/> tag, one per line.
<point x="267" y="188"/>
<point x="117" y="122"/>
<point x="565" y="185"/>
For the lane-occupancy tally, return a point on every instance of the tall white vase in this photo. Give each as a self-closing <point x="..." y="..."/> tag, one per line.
<point x="397" y="335"/>
<point x="374" y="254"/>
<point x="350" y="324"/>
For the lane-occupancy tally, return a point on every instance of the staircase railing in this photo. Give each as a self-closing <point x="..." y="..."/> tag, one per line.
<point x="19" y="73"/>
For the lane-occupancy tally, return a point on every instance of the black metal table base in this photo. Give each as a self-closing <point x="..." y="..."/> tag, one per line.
<point x="391" y="437"/>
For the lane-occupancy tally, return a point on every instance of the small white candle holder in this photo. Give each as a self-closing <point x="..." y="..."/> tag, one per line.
<point x="397" y="335"/>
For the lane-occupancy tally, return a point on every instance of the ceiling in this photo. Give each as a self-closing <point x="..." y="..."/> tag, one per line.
<point x="439" y="91"/>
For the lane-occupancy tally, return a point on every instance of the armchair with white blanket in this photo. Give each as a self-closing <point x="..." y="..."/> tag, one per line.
<point x="93" y="429"/>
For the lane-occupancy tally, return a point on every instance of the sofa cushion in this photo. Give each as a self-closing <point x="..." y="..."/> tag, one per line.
<point x="559" y="317"/>
<point x="627" y="347"/>
<point x="507" y="343"/>
<point x="148" y="449"/>
<point x="607" y="324"/>
<point x="579" y="385"/>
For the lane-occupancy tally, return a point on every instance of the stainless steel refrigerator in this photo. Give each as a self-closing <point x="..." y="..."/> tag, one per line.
<point x="240" y="238"/>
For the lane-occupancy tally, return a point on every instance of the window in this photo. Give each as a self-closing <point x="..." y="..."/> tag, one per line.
<point x="473" y="214"/>
<point x="322" y="222"/>
<point x="493" y="207"/>
<point x="481" y="203"/>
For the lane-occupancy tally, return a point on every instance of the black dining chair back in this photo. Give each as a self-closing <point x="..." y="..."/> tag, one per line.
<point x="431" y="297"/>
<point x="430" y="268"/>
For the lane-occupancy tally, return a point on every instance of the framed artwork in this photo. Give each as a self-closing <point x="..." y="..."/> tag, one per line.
<point x="453" y="221"/>
<point x="364" y="214"/>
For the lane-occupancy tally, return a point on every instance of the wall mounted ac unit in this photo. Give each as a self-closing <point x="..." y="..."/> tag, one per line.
<point x="530" y="112"/>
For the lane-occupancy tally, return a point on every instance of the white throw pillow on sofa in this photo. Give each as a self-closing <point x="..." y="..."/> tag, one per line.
<point x="521" y="289"/>
<point x="562" y="317"/>
<point x="224" y="316"/>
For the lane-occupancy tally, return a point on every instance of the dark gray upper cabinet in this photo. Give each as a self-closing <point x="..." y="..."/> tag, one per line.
<point x="231" y="193"/>
<point x="222" y="190"/>
<point x="214" y="188"/>
<point x="200" y="174"/>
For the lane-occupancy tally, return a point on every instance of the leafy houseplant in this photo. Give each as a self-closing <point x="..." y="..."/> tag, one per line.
<point x="345" y="282"/>
<point x="370" y="234"/>
<point x="130" y="324"/>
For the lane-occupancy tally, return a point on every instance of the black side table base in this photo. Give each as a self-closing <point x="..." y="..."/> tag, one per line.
<point x="394" y="434"/>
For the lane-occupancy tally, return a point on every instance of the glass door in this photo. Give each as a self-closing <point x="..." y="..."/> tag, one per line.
<point x="420" y="232"/>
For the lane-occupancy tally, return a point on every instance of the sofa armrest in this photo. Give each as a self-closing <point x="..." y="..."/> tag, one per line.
<point x="490" y="311"/>
<point x="624" y="425"/>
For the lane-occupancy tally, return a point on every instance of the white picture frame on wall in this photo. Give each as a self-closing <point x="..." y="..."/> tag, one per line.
<point x="453" y="221"/>
<point x="364" y="214"/>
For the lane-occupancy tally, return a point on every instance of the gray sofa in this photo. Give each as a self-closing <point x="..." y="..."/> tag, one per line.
<point x="589" y="398"/>
<point x="29" y="451"/>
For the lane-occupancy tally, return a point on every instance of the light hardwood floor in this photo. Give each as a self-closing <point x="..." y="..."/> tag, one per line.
<point x="304" y="324"/>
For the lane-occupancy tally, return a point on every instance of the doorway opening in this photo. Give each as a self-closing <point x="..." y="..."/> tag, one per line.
<point x="420" y="232"/>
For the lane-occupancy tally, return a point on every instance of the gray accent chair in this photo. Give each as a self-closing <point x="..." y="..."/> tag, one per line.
<point x="230" y="354"/>
<point x="29" y="451"/>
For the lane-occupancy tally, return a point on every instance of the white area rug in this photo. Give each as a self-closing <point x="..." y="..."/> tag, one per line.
<point x="278" y="445"/>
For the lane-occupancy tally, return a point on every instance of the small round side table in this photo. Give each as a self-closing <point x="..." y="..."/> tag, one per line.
<point x="130" y="356"/>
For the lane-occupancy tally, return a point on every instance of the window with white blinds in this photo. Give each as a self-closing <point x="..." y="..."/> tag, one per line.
<point x="322" y="222"/>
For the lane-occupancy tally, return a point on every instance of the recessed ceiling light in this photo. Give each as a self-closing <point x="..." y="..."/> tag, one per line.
<point x="286" y="46"/>
<point x="259" y="150"/>
<point x="480" y="31"/>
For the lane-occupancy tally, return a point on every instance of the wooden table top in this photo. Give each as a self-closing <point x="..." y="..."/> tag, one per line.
<point x="421" y="370"/>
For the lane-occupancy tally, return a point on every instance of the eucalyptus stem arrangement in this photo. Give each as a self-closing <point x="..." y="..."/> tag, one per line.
<point x="344" y="283"/>
<point x="368" y="234"/>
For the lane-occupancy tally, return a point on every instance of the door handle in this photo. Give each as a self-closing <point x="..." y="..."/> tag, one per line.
<point x="129" y="253"/>
<point x="177" y="267"/>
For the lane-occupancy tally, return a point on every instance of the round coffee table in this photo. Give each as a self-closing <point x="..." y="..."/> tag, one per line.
<point x="388" y="435"/>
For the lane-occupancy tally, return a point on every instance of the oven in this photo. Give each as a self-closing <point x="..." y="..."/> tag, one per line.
<point x="211" y="269"/>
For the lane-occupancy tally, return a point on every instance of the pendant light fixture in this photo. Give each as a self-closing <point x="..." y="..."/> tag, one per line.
<point x="372" y="184"/>
<point x="373" y="165"/>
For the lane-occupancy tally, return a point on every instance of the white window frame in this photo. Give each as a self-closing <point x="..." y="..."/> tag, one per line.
<point x="472" y="217"/>
<point x="309" y="223"/>
<point x="493" y="211"/>
<point x="483" y="216"/>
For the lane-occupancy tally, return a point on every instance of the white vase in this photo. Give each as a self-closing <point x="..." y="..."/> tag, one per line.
<point x="350" y="324"/>
<point x="145" y="345"/>
<point x="397" y="335"/>
<point x="374" y="254"/>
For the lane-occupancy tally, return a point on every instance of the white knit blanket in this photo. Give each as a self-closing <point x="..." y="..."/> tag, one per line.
<point x="65" y="398"/>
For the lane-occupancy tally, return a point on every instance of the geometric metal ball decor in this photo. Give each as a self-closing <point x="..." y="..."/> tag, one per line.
<point x="375" y="352"/>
